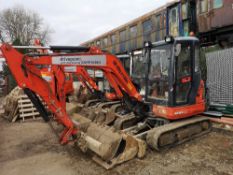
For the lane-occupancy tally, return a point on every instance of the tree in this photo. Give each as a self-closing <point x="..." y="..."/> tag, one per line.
<point x="21" y="24"/>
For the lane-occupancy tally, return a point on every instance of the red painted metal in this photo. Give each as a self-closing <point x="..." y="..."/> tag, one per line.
<point x="175" y="113"/>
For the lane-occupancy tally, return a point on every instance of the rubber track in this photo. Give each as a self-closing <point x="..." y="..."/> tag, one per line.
<point x="157" y="132"/>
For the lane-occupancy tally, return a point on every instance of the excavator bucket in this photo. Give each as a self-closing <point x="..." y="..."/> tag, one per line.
<point x="111" y="147"/>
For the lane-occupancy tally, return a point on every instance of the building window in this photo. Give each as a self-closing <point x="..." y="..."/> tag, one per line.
<point x="105" y="42"/>
<point x="164" y="20"/>
<point x="174" y="15"/>
<point x="147" y="28"/>
<point x="98" y="43"/>
<point x="122" y="41"/>
<point x="185" y="11"/>
<point x="203" y="6"/>
<point x="122" y="36"/>
<point x="161" y="22"/>
<point x="174" y="21"/>
<point x="217" y="4"/>
<point x="158" y="22"/>
<point x="133" y="32"/>
<point x="133" y="37"/>
<point x="113" y="39"/>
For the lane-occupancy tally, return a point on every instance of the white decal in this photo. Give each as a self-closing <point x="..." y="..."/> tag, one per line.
<point x="90" y="60"/>
<point x="70" y="68"/>
<point x="47" y="78"/>
<point x="95" y="73"/>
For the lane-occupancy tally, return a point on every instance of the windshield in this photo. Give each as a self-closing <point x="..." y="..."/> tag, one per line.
<point x="158" y="74"/>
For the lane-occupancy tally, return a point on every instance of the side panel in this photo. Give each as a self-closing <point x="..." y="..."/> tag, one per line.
<point x="212" y="15"/>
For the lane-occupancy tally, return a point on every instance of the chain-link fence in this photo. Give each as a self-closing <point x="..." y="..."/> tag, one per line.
<point x="220" y="76"/>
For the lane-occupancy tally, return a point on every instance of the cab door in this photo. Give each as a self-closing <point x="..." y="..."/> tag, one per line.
<point x="183" y="73"/>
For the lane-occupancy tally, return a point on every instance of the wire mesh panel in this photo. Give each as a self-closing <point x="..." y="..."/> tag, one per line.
<point x="220" y="76"/>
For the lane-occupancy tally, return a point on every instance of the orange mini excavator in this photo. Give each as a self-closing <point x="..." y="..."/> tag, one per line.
<point x="165" y="118"/>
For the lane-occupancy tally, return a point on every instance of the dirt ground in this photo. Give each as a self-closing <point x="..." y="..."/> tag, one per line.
<point x="32" y="148"/>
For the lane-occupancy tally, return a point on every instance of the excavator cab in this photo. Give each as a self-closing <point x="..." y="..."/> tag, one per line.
<point x="173" y="77"/>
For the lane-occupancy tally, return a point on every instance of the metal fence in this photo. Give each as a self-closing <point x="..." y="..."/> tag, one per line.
<point x="220" y="76"/>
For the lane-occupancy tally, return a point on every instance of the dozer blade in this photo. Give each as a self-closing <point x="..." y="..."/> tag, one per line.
<point x="110" y="147"/>
<point x="172" y="134"/>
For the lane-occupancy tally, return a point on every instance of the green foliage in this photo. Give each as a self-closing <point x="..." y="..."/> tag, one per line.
<point x="17" y="42"/>
<point x="19" y="23"/>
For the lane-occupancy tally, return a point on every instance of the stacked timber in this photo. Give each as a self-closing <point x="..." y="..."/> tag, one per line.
<point x="26" y="109"/>
<point x="18" y="106"/>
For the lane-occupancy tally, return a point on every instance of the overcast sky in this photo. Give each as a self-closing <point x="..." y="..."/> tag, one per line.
<point x="76" y="21"/>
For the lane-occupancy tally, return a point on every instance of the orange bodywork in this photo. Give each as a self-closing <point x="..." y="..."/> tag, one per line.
<point x="69" y="88"/>
<point x="49" y="77"/>
<point x="180" y="112"/>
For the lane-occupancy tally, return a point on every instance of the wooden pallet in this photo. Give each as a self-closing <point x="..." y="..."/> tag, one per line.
<point x="26" y="109"/>
<point x="17" y="105"/>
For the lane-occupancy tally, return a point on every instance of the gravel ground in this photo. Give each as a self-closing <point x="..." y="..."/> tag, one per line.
<point x="32" y="148"/>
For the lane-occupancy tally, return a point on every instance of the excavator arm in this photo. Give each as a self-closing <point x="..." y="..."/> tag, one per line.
<point x="85" y="77"/>
<point x="28" y="77"/>
<point x="87" y="81"/>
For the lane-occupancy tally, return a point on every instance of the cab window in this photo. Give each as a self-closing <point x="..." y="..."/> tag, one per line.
<point x="158" y="75"/>
<point x="183" y="72"/>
